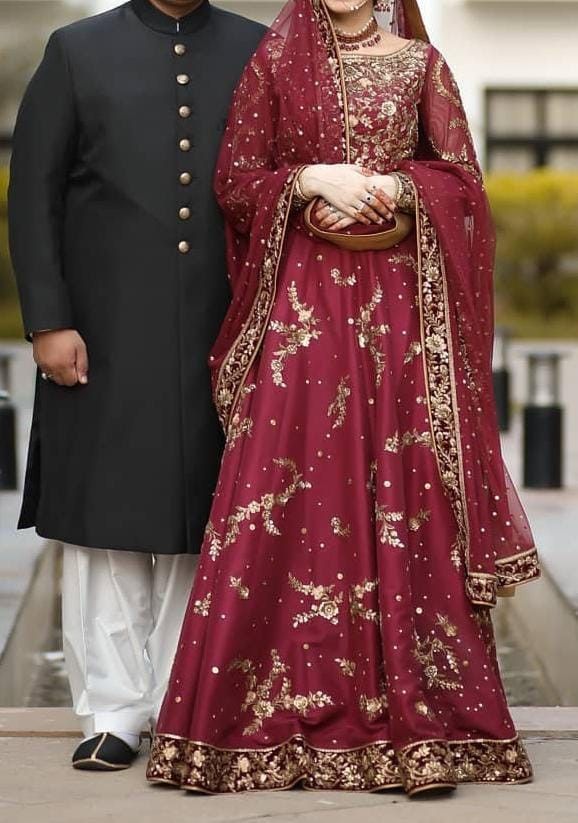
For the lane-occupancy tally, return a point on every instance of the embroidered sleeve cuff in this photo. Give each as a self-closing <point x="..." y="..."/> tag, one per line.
<point x="405" y="194"/>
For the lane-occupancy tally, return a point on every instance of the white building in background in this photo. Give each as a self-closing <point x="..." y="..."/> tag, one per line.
<point x="516" y="62"/>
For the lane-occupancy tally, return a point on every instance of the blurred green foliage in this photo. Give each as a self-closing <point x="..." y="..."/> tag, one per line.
<point x="536" y="216"/>
<point x="10" y="323"/>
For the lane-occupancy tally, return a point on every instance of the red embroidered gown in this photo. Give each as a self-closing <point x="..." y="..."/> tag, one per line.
<point x="329" y="639"/>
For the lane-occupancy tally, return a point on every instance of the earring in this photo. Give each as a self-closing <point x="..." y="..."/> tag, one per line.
<point x="385" y="6"/>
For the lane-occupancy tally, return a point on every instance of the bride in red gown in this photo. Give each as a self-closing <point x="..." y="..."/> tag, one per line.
<point x="339" y="633"/>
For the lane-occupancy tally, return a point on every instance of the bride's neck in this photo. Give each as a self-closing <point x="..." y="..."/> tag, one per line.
<point x="354" y="20"/>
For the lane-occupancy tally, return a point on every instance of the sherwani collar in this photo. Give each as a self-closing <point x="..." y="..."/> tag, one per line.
<point x="155" y="19"/>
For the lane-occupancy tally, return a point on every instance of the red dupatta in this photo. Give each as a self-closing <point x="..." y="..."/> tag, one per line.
<point x="290" y="110"/>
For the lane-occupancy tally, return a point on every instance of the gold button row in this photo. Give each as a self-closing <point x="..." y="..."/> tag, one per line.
<point x="184" y="145"/>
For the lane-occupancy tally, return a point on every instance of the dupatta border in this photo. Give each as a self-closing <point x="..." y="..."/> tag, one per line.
<point x="482" y="588"/>
<point x="199" y="766"/>
<point x="239" y="359"/>
<point x="437" y="359"/>
<point x="232" y="374"/>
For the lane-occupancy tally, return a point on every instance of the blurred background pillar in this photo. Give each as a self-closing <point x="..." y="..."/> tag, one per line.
<point x="501" y="374"/>
<point x="543" y="423"/>
<point x="8" y="473"/>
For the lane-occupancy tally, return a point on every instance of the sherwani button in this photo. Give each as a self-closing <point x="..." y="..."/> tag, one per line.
<point x="185" y="178"/>
<point x="184" y="213"/>
<point x="184" y="144"/>
<point x="185" y="111"/>
<point x="183" y="79"/>
<point x="180" y="49"/>
<point x="184" y="247"/>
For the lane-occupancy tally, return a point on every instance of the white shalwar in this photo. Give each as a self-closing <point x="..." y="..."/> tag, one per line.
<point x="121" y="618"/>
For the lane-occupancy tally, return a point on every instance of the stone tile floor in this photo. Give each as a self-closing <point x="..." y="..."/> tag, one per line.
<point x="38" y="786"/>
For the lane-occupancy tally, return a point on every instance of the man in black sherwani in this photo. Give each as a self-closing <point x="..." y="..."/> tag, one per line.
<point x="118" y="250"/>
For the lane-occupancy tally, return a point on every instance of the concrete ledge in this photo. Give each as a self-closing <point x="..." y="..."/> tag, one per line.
<point x="32" y="628"/>
<point x="558" y="722"/>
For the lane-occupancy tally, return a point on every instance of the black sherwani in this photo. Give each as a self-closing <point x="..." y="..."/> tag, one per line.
<point x="114" y="232"/>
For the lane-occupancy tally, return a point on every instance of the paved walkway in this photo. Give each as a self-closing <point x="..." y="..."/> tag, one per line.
<point x="18" y="550"/>
<point x="38" y="786"/>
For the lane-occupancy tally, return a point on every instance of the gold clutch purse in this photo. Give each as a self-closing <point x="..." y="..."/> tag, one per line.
<point x="360" y="237"/>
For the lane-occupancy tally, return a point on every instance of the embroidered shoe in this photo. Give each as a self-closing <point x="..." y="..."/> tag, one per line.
<point x="103" y="753"/>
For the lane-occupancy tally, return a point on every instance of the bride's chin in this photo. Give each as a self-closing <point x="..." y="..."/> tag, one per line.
<point x="342" y="7"/>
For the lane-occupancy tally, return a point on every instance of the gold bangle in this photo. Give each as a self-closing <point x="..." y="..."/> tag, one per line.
<point x="398" y="187"/>
<point x="298" y="189"/>
<point x="299" y="197"/>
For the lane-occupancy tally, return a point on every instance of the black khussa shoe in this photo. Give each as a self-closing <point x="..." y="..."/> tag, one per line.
<point x="103" y="753"/>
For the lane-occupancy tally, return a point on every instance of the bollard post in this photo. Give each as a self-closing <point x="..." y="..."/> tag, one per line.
<point x="8" y="476"/>
<point x="8" y="467"/>
<point x="543" y="421"/>
<point x="501" y="375"/>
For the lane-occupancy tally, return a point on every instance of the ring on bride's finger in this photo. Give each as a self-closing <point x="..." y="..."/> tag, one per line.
<point x="369" y="198"/>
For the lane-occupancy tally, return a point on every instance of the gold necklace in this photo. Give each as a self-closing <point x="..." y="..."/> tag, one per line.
<point x="367" y="36"/>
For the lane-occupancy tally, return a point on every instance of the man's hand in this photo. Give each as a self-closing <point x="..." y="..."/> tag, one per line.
<point x="62" y="356"/>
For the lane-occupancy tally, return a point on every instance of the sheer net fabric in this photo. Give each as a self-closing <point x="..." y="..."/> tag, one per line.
<point x="291" y="110"/>
<point x="339" y="634"/>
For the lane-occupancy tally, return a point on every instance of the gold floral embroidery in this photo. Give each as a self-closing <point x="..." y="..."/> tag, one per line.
<point x="206" y="768"/>
<point x="368" y="334"/>
<point x="347" y="667"/>
<point x="427" y="764"/>
<point x="466" y="156"/>
<point x="415" y="523"/>
<point x="388" y="533"/>
<point x="448" y="627"/>
<point x="396" y="443"/>
<point x="296" y="335"/>
<point x="440" y="380"/>
<point x="405" y="259"/>
<point x="261" y="701"/>
<point x="237" y="584"/>
<point x="339" y="528"/>
<point x="240" y="357"/>
<point x="383" y="94"/>
<point x="338" y="407"/>
<point x="215" y="541"/>
<point x="373" y="706"/>
<point x="326" y="603"/>
<point x="240" y="426"/>
<point x="237" y="429"/>
<point x="265" y="505"/>
<point x="440" y="663"/>
<point x="521" y="568"/>
<point x="424" y="710"/>
<point x="413" y="351"/>
<point x="371" y="484"/>
<point x="356" y="605"/>
<point x="202" y="607"/>
<point x="341" y="279"/>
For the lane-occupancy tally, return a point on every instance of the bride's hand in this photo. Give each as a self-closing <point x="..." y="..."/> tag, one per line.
<point x="351" y="194"/>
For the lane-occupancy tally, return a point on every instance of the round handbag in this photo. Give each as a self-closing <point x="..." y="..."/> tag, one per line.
<point x="360" y="237"/>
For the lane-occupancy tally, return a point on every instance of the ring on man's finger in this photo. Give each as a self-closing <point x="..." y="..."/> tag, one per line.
<point x="46" y="376"/>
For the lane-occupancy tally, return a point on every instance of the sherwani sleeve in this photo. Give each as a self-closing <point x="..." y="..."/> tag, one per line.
<point x="43" y="152"/>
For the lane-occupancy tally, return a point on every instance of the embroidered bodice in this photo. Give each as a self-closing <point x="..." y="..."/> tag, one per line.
<point x="383" y="93"/>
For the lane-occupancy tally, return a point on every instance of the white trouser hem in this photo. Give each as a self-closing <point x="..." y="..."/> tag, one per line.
<point x="127" y="722"/>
